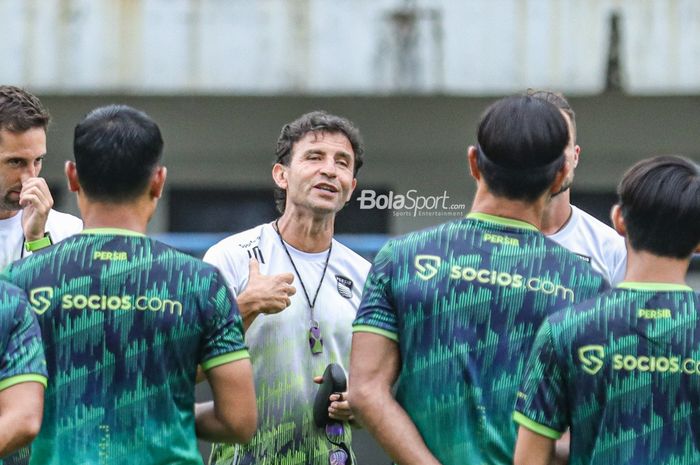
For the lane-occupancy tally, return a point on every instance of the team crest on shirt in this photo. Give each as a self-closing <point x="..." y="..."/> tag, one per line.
<point x="427" y="266"/>
<point x="344" y="286"/>
<point x="40" y="299"/>
<point x="591" y="357"/>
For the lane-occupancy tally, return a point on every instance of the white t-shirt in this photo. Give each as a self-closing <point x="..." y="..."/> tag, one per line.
<point x="59" y="225"/>
<point x="596" y="242"/>
<point x="283" y="364"/>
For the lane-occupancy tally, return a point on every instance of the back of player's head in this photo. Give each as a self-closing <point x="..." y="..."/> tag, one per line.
<point x="117" y="149"/>
<point x="21" y="111"/>
<point x="315" y="122"/>
<point x="558" y="100"/>
<point x="660" y="202"/>
<point x="521" y="147"/>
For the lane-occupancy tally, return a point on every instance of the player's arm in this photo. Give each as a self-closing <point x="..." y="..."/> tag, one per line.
<point x="21" y="409"/>
<point x="541" y="405"/>
<point x="533" y="448"/>
<point x="374" y="367"/>
<point x="232" y="416"/>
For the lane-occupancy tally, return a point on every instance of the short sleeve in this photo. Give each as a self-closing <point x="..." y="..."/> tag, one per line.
<point x="377" y="312"/>
<point x="541" y="402"/>
<point x="219" y="257"/>
<point x="22" y="357"/>
<point x="223" y="338"/>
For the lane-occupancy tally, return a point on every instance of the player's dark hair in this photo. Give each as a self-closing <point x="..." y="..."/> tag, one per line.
<point x="660" y="202"/>
<point x="116" y="149"/>
<point x="21" y="111"/>
<point x="558" y="100"/>
<point x="315" y="122"/>
<point x="521" y="147"/>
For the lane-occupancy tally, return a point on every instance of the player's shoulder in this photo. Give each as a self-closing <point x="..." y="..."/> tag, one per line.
<point x="8" y="289"/>
<point x="597" y="310"/>
<point x="236" y="246"/>
<point x="595" y="227"/>
<point x="11" y="299"/>
<point x="428" y="235"/>
<point x="348" y="255"/>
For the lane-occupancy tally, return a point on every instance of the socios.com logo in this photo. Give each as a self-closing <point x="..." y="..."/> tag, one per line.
<point x="427" y="266"/>
<point x="591" y="357"/>
<point x="40" y="299"/>
<point x="120" y="302"/>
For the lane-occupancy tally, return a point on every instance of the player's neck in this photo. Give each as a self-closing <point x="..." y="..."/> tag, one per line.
<point x="305" y="232"/>
<point x="7" y="214"/>
<point x="644" y="267"/>
<point x="557" y="214"/>
<point x="118" y="216"/>
<point x="529" y="212"/>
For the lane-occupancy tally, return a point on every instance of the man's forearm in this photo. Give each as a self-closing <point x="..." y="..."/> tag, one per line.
<point x="248" y="309"/>
<point x="20" y="415"/>
<point x="391" y="426"/>
<point x="210" y="428"/>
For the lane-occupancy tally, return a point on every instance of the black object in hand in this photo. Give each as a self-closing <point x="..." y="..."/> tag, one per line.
<point x="334" y="381"/>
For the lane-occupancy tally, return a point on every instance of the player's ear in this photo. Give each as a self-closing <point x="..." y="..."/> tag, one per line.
<point x="560" y="178"/>
<point x="71" y="176"/>
<point x="577" y="154"/>
<point x="472" y="162"/>
<point x="158" y="182"/>
<point x="618" y="220"/>
<point x="279" y="175"/>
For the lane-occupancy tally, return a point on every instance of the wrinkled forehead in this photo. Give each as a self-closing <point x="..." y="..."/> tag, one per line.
<point x="336" y="140"/>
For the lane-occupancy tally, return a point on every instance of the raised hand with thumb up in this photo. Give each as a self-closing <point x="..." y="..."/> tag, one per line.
<point x="264" y="294"/>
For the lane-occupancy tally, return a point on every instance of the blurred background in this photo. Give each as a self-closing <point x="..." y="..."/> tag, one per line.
<point x="222" y="77"/>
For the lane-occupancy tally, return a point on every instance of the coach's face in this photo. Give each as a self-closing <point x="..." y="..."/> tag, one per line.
<point x="320" y="175"/>
<point x="21" y="158"/>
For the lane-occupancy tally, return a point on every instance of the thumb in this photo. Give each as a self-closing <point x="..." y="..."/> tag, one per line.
<point x="253" y="267"/>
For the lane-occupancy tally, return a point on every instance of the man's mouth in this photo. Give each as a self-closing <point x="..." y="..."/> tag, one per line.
<point x="326" y="187"/>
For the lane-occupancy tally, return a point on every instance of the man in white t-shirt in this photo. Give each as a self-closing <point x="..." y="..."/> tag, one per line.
<point x="573" y="228"/>
<point x="294" y="331"/>
<point x="27" y="221"/>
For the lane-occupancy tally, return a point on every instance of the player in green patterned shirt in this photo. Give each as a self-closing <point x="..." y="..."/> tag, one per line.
<point x="623" y="370"/>
<point x="449" y="314"/>
<point x="126" y="320"/>
<point x="22" y="372"/>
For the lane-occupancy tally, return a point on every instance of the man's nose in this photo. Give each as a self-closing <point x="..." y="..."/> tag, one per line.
<point x="329" y="168"/>
<point x="31" y="171"/>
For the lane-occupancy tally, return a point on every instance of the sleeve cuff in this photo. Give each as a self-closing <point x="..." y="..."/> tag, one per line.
<point x="31" y="378"/>
<point x="33" y="246"/>
<point x="538" y="428"/>
<point x="225" y="358"/>
<point x="372" y="329"/>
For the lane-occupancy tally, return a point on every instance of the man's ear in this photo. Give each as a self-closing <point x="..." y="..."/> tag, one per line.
<point x="618" y="220"/>
<point x="352" y="189"/>
<point x="560" y="178"/>
<point x="279" y="175"/>
<point x="158" y="182"/>
<point x="71" y="176"/>
<point x="472" y="162"/>
<point x="577" y="154"/>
